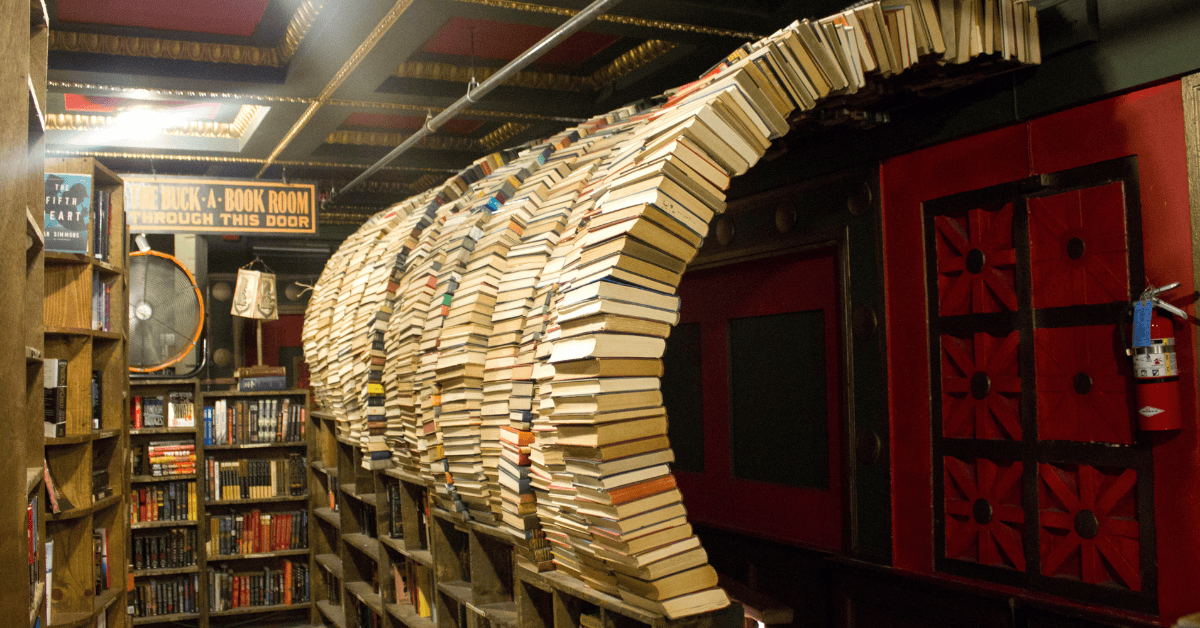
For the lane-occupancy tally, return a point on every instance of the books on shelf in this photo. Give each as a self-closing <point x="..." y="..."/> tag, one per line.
<point x="256" y="532"/>
<point x="171" y="457"/>
<point x="165" y="595"/>
<point x="164" y="549"/>
<point x="163" y="501"/>
<point x="286" y="583"/>
<point x="227" y="480"/>
<point x="54" y="383"/>
<point x="147" y="412"/>
<point x="68" y="212"/>
<point x="57" y="500"/>
<point x="180" y="409"/>
<point x="249" y="421"/>
<point x="100" y="560"/>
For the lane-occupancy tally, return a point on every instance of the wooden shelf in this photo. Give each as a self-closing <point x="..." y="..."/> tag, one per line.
<point x="135" y="381"/>
<point x="83" y="331"/>
<point x="39" y="596"/>
<point x="255" y="500"/>
<point x="83" y="511"/>
<point x="150" y="525"/>
<point x="458" y="590"/>
<point x="52" y="441"/>
<point x="422" y="557"/>
<point x="33" y="479"/>
<point x="254" y="446"/>
<point x="141" y="431"/>
<point x="251" y="610"/>
<point x="165" y="571"/>
<point x="255" y="393"/>
<point x="329" y="515"/>
<point x="143" y="479"/>
<point x="554" y="580"/>
<point x="33" y="229"/>
<point x="362" y="591"/>
<point x="499" y="614"/>
<point x="332" y="563"/>
<point x="290" y="552"/>
<point x="333" y="613"/>
<point x="366" y="498"/>
<point x="103" y="434"/>
<point x="331" y="471"/>
<point x="101" y="604"/>
<point x="364" y="544"/>
<point x="407" y="614"/>
<point x="161" y="619"/>
<point x="33" y="355"/>
<point x="36" y="110"/>
<point x="400" y="474"/>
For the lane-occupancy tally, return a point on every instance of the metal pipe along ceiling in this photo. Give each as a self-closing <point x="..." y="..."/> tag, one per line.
<point x="568" y="28"/>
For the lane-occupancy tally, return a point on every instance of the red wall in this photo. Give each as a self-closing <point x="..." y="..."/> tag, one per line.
<point x="284" y="332"/>
<point x="1148" y="124"/>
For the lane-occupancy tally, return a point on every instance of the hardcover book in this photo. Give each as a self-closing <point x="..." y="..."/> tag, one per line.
<point x="68" y="212"/>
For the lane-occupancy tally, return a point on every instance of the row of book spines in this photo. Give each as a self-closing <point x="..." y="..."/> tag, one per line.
<point x="255" y="479"/>
<point x="147" y="412"/>
<point x="256" y="532"/>
<point x="101" y="573"/>
<point x="175" y="548"/>
<point x="102" y="226"/>
<point x="165" y="597"/>
<point x="171" y="501"/>
<point x="413" y="584"/>
<point x="286" y="585"/>
<point x="255" y="422"/>
<point x="101" y="304"/>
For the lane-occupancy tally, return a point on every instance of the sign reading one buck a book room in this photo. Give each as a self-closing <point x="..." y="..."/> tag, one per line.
<point x="161" y="204"/>
<point x="68" y="212"/>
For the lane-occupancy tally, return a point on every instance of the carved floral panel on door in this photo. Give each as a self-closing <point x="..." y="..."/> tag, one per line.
<point x="1043" y="484"/>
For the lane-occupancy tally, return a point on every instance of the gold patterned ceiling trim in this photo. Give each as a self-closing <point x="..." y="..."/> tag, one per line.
<point x="302" y="20"/>
<point x="353" y="104"/>
<point x="172" y="93"/>
<point x="235" y="130"/>
<point x="616" y="19"/>
<point x="221" y="159"/>
<point x="359" y="54"/>
<point x="633" y="59"/>
<point x="502" y="134"/>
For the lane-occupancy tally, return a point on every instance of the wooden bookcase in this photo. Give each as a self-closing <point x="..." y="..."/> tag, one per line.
<point x="466" y="570"/>
<point x="151" y="526"/>
<point x="210" y="509"/>
<point x="76" y="459"/>
<point x="23" y="78"/>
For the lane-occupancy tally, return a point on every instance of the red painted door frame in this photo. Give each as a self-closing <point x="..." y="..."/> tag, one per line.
<point x="792" y="283"/>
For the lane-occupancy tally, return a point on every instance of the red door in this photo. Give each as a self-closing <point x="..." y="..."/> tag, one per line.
<point x="758" y="432"/>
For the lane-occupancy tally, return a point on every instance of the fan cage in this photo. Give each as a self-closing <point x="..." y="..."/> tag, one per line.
<point x="186" y="349"/>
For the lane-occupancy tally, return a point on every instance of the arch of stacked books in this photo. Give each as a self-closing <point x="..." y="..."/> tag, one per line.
<point x="501" y="334"/>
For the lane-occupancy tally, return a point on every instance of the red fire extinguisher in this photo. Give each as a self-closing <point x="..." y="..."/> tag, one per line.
<point x="1155" y="367"/>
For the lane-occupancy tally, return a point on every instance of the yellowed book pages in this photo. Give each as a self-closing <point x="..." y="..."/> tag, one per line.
<point x="875" y="39"/>
<point x="948" y="16"/>
<point x="933" y="26"/>
<point x="866" y="55"/>
<point x="1035" y="42"/>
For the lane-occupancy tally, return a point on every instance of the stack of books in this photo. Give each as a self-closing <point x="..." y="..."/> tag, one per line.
<point x="175" y="457"/>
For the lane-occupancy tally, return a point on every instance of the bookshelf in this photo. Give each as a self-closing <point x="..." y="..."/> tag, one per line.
<point x="466" y="571"/>
<point x="21" y="277"/>
<point x="256" y="519"/>
<point x="166" y="504"/>
<point x="86" y="457"/>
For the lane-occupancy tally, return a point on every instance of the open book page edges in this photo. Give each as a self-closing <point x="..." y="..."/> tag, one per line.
<point x="518" y="311"/>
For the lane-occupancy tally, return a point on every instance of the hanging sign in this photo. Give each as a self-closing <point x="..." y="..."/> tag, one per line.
<point x="161" y="204"/>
